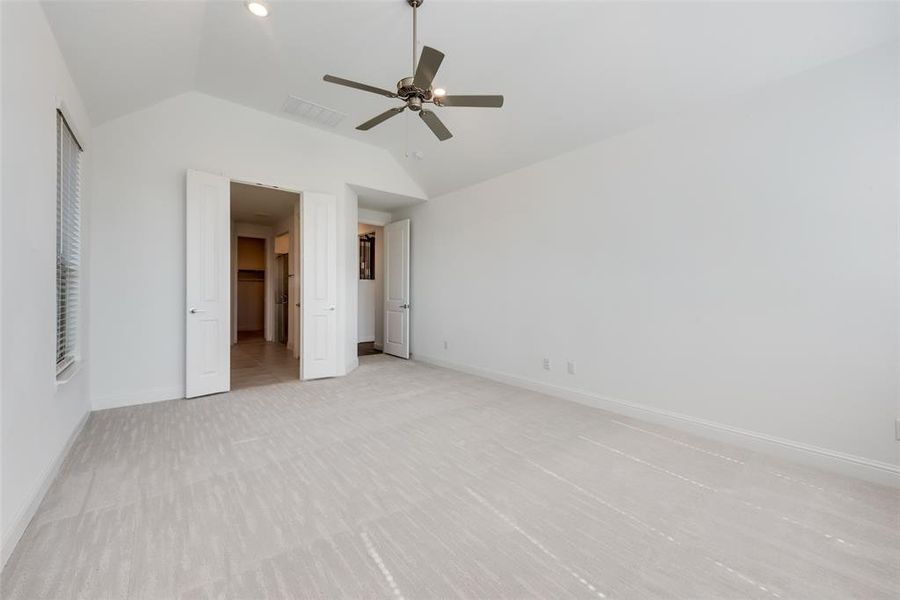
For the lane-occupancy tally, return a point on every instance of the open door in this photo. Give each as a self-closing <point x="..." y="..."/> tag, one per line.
<point x="318" y="286"/>
<point x="396" y="288"/>
<point x="208" y="302"/>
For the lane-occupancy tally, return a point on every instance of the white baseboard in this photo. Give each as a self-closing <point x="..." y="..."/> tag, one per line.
<point x="172" y="392"/>
<point x="20" y="522"/>
<point x="365" y="339"/>
<point x="379" y="346"/>
<point x="823" y="458"/>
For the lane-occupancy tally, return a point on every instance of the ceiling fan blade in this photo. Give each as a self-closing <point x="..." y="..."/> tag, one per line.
<point x="359" y="86"/>
<point x="477" y="101"/>
<point x="429" y="63"/>
<point x="381" y="118"/>
<point x="435" y="125"/>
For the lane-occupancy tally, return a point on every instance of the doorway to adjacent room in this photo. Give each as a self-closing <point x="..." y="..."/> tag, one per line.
<point x="264" y="262"/>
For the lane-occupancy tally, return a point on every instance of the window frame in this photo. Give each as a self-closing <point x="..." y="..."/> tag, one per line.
<point x="68" y="245"/>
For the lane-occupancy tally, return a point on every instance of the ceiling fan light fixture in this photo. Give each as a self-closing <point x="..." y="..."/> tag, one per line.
<point x="258" y="8"/>
<point x="440" y="92"/>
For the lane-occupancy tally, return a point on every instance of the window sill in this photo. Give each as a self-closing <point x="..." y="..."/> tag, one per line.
<point x="67" y="374"/>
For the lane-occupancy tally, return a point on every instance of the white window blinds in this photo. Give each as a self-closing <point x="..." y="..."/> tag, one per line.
<point x="68" y="243"/>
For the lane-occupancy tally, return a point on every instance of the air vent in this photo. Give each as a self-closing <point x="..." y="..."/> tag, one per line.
<point x="312" y="111"/>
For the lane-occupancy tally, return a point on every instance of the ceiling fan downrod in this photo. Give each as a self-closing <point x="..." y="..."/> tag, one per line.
<point x="415" y="4"/>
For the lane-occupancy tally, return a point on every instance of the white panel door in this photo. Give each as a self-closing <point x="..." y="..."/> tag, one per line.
<point x="208" y="301"/>
<point x="318" y="286"/>
<point x="396" y="288"/>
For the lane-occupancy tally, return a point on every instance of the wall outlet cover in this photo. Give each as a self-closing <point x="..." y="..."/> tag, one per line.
<point x="571" y="367"/>
<point x="547" y="364"/>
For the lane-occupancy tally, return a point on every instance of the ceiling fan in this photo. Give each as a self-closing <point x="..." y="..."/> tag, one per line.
<point x="416" y="91"/>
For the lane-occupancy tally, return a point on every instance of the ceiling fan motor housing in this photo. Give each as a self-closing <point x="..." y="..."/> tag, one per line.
<point x="413" y="95"/>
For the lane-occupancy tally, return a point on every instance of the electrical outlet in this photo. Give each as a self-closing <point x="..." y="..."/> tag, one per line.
<point x="546" y="364"/>
<point x="571" y="367"/>
<point x="897" y="429"/>
<point x="445" y="344"/>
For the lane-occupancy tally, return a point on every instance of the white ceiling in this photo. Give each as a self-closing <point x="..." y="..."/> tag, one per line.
<point x="260" y="205"/>
<point x="572" y="73"/>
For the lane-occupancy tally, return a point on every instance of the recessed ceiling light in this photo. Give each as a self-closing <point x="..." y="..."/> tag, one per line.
<point x="258" y="8"/>
<point x="440" y="92"/>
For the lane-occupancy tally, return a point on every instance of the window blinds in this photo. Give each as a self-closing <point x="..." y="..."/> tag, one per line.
<point x="68" y="243"/>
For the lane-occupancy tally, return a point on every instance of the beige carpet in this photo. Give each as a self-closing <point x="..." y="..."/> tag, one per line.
<point x="408" y="481"/>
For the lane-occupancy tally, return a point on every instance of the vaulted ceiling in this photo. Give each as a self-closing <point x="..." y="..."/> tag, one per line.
<point x="572" y="72"/>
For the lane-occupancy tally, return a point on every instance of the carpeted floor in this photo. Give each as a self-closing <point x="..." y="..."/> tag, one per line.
<point x="408" y="481"/>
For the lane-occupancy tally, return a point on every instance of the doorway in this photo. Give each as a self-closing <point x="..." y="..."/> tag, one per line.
<point x="263" y="350"/>
<point x="383" y="288"/>
<point x="370" y="325"/>
<point x="251" y="292"/>
<point x="213" y="227"/>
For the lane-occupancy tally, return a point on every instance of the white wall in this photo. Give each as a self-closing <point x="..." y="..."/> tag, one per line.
<point x="348" y="275"/>
<point x="379" y="287"/>
<point x="138" y="346"/>
<point x="39" y="417"/>
<point x="366" y="321"/>
<point x="738" y="265"/>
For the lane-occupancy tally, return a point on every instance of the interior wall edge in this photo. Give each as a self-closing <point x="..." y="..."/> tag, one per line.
<point x="369" y="216"/>
<point x="20" y="522"/>
<point x="846" y="464"/>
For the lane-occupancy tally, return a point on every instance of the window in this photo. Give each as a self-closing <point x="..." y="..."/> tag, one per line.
<point x="68" y="242"/>
<point x="367" y="256"/>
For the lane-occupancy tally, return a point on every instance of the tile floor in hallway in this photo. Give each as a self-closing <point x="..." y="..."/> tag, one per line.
<point x="403" y="480"/>
<point x="366" y="349"/>
<point x="256" y="362"/>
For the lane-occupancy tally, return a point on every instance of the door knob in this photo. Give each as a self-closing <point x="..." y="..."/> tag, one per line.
<point x="197" y="310"/>
<point x="330" y="308"/>
<point x="404" y="306"/>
